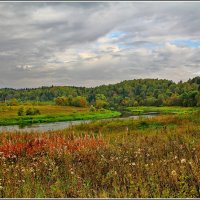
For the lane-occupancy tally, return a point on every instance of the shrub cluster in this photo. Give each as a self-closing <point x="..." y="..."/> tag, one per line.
<point x="78" y="101"/>
<point x="28" y="111"/>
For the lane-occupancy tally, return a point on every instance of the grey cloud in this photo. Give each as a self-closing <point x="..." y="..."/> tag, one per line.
<point x="41" y="43"/>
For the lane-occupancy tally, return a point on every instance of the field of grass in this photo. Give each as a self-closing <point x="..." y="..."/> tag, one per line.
<point x="51" y="113"/>
<point x="157" y="157"/>
<point x="163" y="110"/>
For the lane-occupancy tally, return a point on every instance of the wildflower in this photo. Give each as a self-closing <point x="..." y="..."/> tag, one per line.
<point x="133" y="164"/>
<point x="175" y="157"/>
<point x="183" y="161"/>
<point x="173" y="173"/>
<point x="1" y="187"/>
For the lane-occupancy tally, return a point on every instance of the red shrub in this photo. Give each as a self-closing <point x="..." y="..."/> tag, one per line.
<point x="32" y="145"/>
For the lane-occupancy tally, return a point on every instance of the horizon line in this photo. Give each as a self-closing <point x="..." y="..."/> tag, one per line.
<point x="52" y="85"/>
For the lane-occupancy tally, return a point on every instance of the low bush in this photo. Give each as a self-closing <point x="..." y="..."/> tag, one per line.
<point x="29" y="111"/>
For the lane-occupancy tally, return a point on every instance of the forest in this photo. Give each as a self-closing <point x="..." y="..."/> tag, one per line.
<point x="139" y="92"/>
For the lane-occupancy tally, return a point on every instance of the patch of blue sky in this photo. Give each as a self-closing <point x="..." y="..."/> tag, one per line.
<point x="115" y="35"/>
<point x="189" y="43"/>
<point x="144" y="45"/>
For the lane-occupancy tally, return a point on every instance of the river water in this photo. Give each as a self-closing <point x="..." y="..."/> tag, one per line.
<point x="43" y="127"/>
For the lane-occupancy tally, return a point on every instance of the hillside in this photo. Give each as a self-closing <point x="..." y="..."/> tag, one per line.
<point x="149" y="92"/>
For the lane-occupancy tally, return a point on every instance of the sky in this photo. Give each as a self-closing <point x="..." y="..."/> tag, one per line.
<point x="94" y="43"/>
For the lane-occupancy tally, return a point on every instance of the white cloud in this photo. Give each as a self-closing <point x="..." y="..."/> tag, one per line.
<point x="24" y="67"/>
<point x="87" y="55"/>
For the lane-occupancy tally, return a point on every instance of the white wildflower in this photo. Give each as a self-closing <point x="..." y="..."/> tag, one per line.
<point x="183" y="160"/>
<point x="133" y="164"/>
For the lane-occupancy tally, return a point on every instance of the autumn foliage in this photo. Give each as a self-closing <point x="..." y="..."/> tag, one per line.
<point x="28" y="145"/>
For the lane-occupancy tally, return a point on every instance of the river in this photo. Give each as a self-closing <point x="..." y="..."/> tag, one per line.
<point x="43" y="127"/>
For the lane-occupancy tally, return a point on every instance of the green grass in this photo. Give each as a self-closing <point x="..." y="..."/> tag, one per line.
<point x="163" y="110"/>
<point x="50" y="113"/>
<point x="58" y="118"/>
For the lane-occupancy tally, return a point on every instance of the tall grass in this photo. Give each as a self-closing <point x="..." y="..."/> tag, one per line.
<point x="157" y="157"/>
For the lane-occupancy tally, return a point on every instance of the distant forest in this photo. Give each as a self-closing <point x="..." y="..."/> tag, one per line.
<point x="139" y="92"/>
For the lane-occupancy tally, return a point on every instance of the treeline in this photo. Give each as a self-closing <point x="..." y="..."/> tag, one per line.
<point x="78" y="101"/>
<point x="143" y="92"/>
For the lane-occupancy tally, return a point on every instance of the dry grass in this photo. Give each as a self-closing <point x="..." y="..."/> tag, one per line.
<point x="123" y="159"/>
<point x="11" y="111"/>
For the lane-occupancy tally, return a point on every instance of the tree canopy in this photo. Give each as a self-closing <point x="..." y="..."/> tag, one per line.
<point x="149" y="92"/>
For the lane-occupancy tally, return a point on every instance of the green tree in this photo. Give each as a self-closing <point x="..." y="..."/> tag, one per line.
<point x="100" y="104"/>
<point x="13" y="102"/>
<point x="79" y="101"/>
<point x="62" y="101"/>
<point x="101" y="97"/>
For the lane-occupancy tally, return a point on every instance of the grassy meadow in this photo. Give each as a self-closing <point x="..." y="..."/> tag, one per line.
<point x="51" y="113"/>
<point x="162" y="109"/>
<point x="155" y="157"/>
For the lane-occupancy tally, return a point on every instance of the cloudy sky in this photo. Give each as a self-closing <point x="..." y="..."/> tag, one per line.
<point x="90" y="43"/>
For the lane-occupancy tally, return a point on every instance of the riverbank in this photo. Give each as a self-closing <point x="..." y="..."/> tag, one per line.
<point x="52" y="113"/>
<point x="49" y="113"/>
<point x="162" y="109"/>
